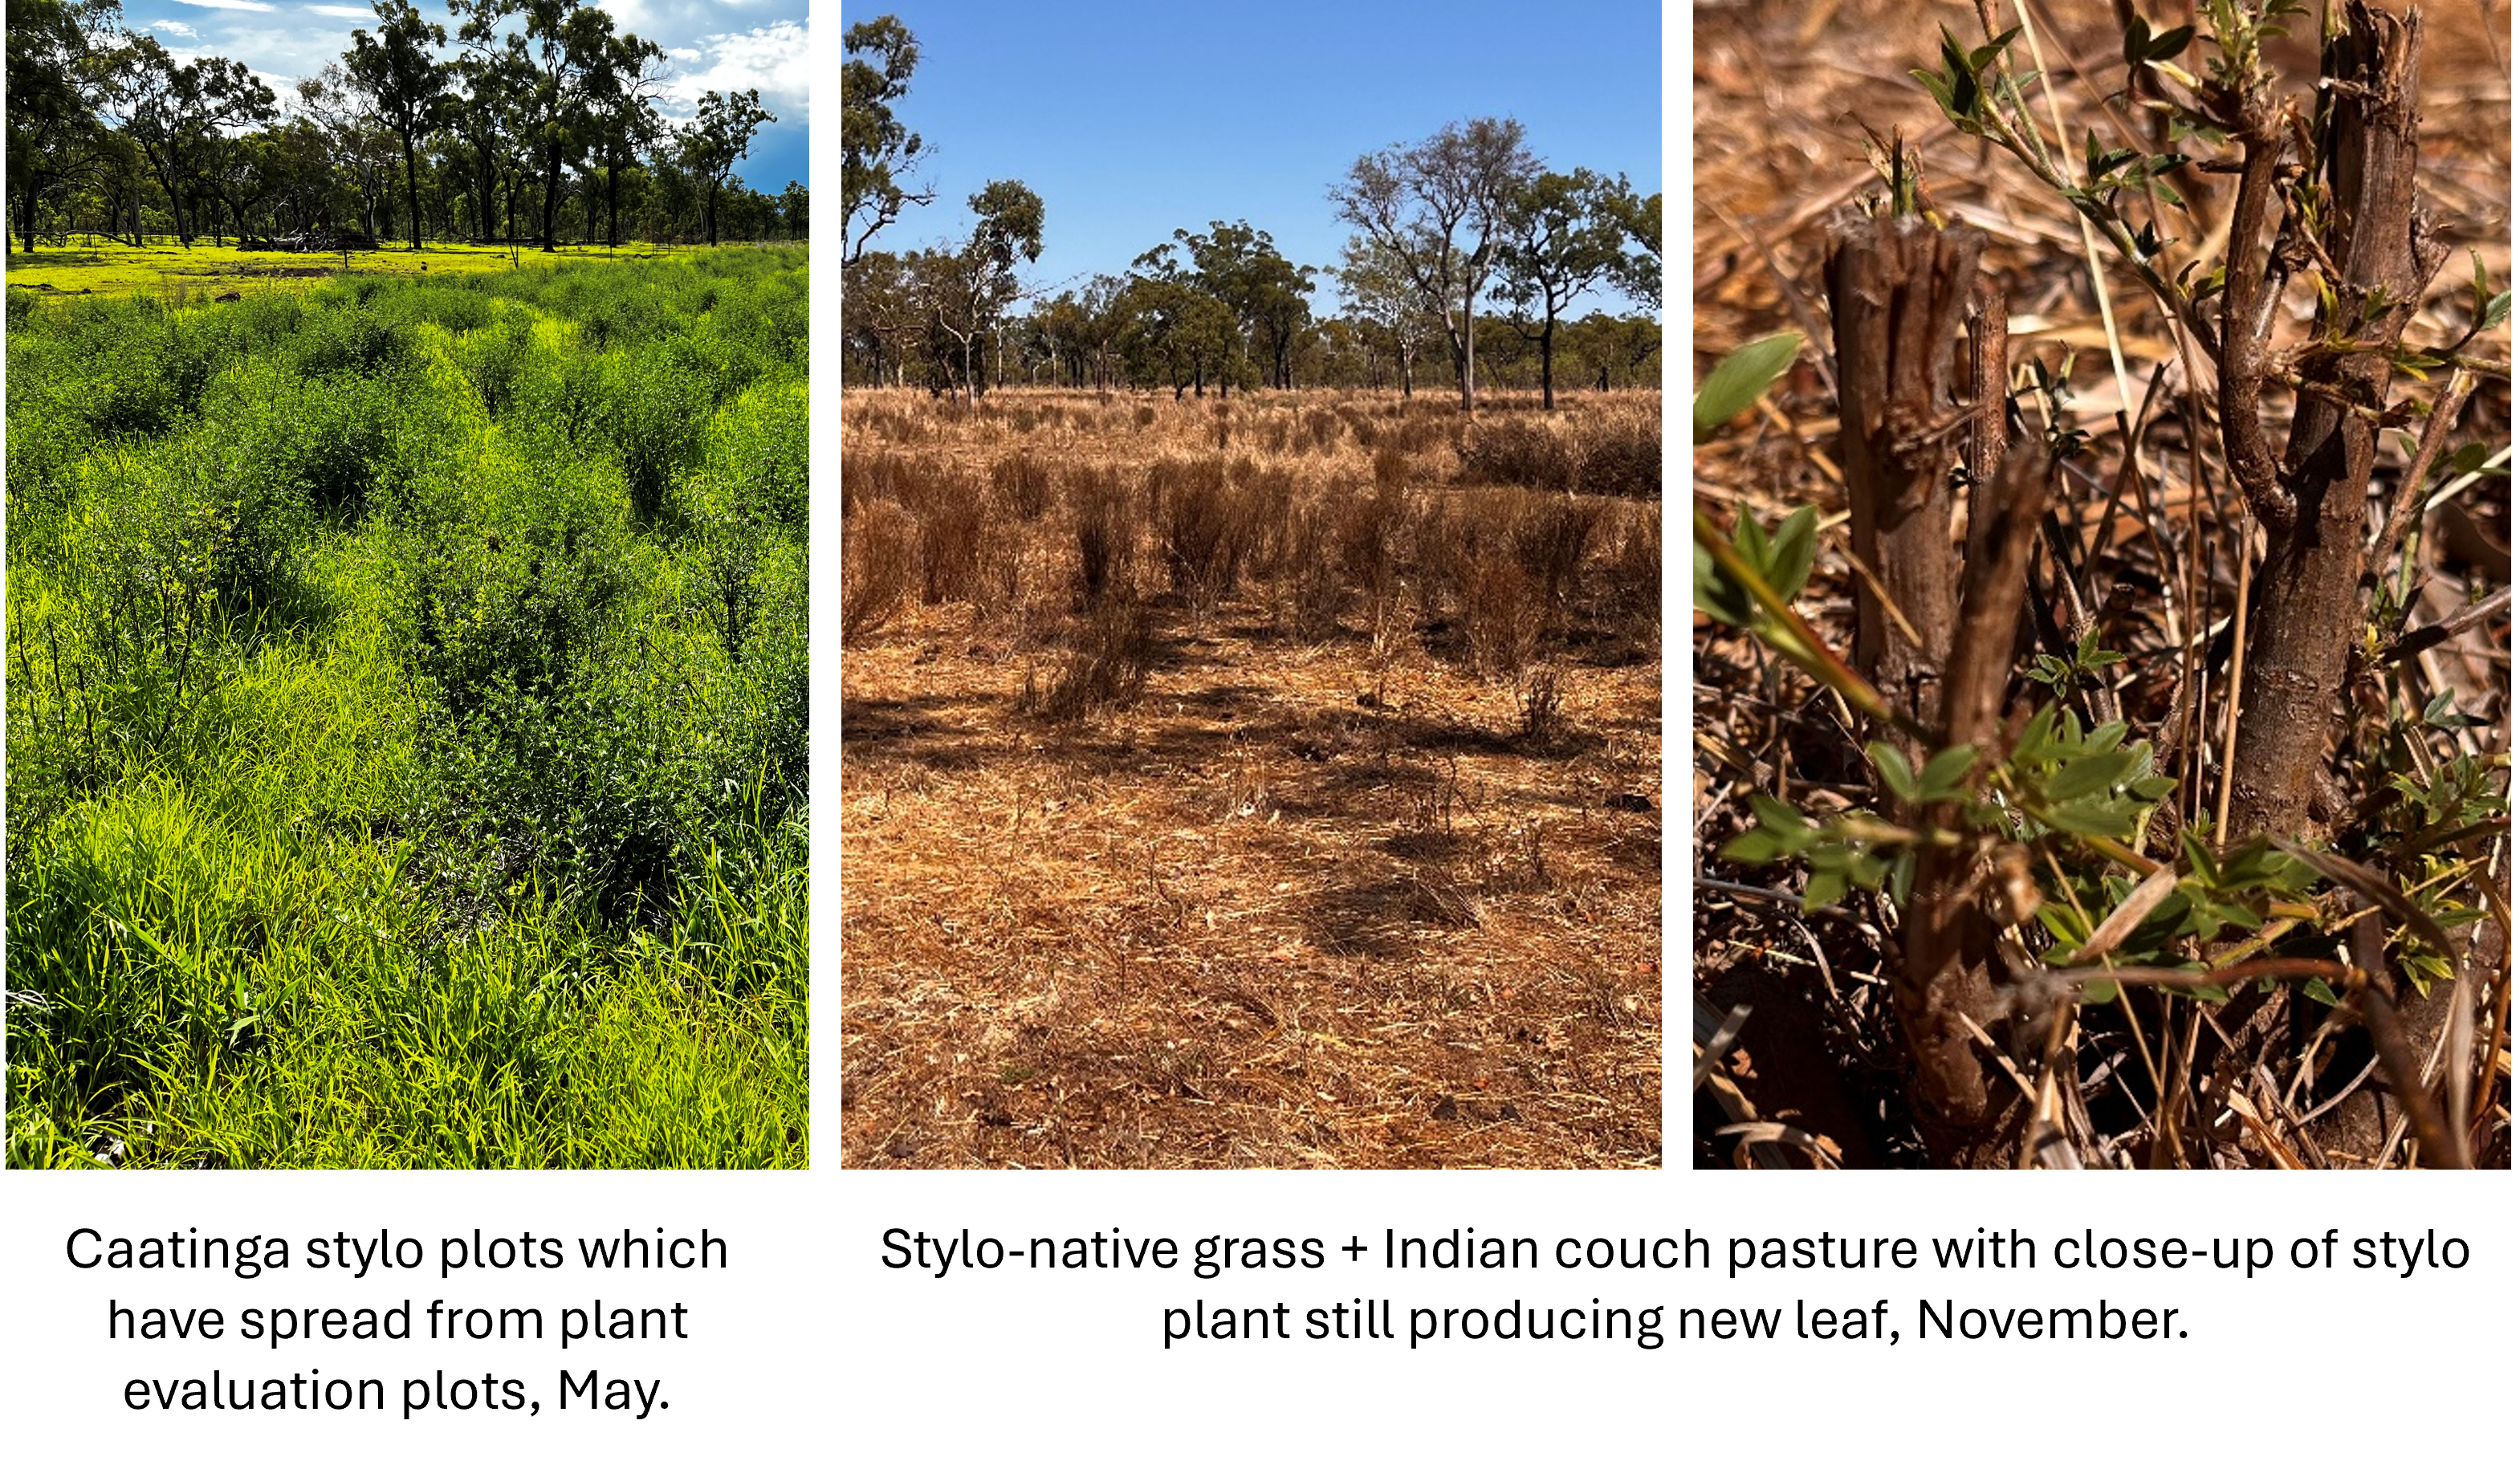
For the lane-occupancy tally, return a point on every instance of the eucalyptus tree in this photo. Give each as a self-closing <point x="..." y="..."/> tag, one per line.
<point x="722" y="133"/>
<point x="495" y="114"/>
<point x="446" y="175"/>
<point x="1392" y="316"/>
<point x="965" y="293"/>
<point x="1075" y="331"/>
<point x="174" y="111"/>
<point x="1340" y="356"/>
<point x="302" y="174"/>
<point x="1173" y="330"/>
<point x="531" y="81"/>
<point x="242" y="167"/>
<point x="354" y="134"/>
<point x="621" y="112"/>
<point x="240" y="170"/>
<point x="399" y="67"/>
<point x="511" y="147"/>
<point x="564" y="42"/>
<point x="881" y="313"/>
<point x="1239" y="267"/>
<point x="1055" y="333"/>
<point x="1615" y="349"/>
<point x="1640" y="219"/>
<point x="745" y="211"/>
<point x="492" y="71"/>
<point x="1182" y="322"/>
<point x="63" y="64"/>
<point x="118" y="177"/>
<point x="1101" y="304"/>
<point x="671" y="198"/>
<point x="876" y="148"/>
<point x="1562" y="234"/>
<point x="1437" y="209"/>
<point x="792" y="206"/>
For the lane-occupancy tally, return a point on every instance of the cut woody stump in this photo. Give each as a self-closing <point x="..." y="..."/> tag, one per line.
<point x="1935" y="631"/>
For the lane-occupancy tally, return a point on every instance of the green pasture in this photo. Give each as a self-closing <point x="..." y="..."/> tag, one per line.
<point x="96" y="265"/>
<point x="406" y="715"/>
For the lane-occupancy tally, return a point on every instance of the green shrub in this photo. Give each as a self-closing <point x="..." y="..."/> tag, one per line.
<point x="355" y="340"/>
<point x="574" y="794"/>
<point x="652" y="415"/>
<point x="496" y="361"/>
<point x="319" y="439"/>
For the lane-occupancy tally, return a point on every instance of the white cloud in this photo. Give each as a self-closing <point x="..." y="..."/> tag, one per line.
<point x="344" y="11"/>
<point x="173" y="27"/>
<point x="229" y="4"/>
<point x="772" y="58"/>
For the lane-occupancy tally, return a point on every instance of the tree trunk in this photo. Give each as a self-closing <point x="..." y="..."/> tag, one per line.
<point x="411" y="186"/>
<point x="1467" y="357"/>
<point x="1547" y="360"/>
<point x="551" y="196"/>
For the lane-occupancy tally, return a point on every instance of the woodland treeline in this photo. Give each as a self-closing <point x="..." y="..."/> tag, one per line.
<point x="1467" y="258"/>
<point x="515" y="120"/>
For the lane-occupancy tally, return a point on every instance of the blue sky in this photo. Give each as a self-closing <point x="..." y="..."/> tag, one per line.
<point x="1132" y="119"/>
<point x="714" y="45"/>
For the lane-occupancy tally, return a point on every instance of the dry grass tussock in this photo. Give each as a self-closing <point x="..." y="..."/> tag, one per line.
<point x="1269" y="784"/>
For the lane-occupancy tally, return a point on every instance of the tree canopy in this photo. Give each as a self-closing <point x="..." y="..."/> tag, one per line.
<point x="503" y="102"/>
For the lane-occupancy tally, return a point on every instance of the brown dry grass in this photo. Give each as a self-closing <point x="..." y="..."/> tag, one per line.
<point x="1334" y="870"/>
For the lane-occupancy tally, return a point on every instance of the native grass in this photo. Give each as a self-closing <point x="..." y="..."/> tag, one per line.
<point x="1271" y="783"/>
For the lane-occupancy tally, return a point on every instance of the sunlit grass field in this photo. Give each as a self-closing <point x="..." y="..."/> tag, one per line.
<point x="84" y="266"/>
<point x="406" y="687"/>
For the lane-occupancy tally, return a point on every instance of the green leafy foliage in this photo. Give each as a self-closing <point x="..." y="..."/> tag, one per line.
<point x="1944" y="778"/>
<point x="653" y="415"/>
<point x="2462" y="791"/>
<point x="407" y="711"/>
<point x="159" y="573"/>
<point x="2497" y="309"/>
<point x="760" y="451"/>
<point x="2078" y="811"/>
<point x="1960" y="87"/>
<point x="576" y="793"/>
<point x="2142" y="45"/>
<point x="507" y="569"/>
<point x="1843" y="853"/>
<point x="1782" y="559"/>
<point x="495" y="359"/>
<point x="2057" y="789"/>
<point x="2085" y="783"/>
<point x="326" y="441"/>
<point x="351" y="340"/>
<point x="564" y="397"/>
<point x="119" y="367"/>
<point x="2062" y="676"/>
<point x="1739" y="378"/>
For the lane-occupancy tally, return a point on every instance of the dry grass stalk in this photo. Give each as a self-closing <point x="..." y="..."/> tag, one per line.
<point x="1225" y="848"/>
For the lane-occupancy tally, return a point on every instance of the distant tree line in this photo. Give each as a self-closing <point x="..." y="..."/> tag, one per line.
<point x="530" y="121"/>
<point x="1468" y="256"/>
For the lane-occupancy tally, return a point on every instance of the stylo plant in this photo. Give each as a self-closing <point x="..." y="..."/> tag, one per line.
<point x="2052" y="824"/>
<point x="2058" y="789"/>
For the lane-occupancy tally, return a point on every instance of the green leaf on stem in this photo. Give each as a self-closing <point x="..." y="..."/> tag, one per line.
<point x="1740" y="378"/>
<point x="1945" y="772"/>
<point x="1717" y="597"/>
<point x="1897" y="778"/>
